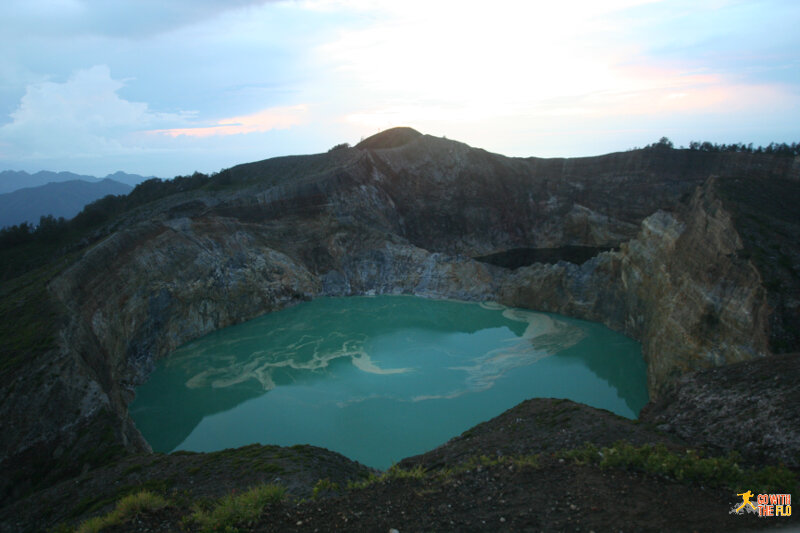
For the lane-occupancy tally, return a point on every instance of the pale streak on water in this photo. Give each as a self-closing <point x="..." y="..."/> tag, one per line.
<point x="440" y="356"/>
<point x="543" y="336"/>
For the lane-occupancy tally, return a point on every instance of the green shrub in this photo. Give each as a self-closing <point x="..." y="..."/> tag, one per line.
<point x="366" y="482"/>
<point x="322" y="487"/>
<point x="395" y="472"/>
<point x="236" y="510"/>
<point x="475" y="462"/>
<point x="126" y="508"/>
<point x="689" y="467"/>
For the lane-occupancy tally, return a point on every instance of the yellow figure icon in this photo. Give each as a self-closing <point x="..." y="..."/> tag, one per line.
<point x="746" y="501"/>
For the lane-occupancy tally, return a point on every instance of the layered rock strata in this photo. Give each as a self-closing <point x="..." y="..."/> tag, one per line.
<point x="679" y="287"/>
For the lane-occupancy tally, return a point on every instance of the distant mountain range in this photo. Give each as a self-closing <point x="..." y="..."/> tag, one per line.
<point x="26" y="197"/>
<point x="12" y="180"/>
<point x="60" y="199"/>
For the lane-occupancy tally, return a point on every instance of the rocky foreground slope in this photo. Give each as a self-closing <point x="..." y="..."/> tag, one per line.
<point x="696" y="258"/>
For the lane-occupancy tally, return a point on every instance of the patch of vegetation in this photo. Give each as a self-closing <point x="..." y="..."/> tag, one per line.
<point x="371" y="479"/>
<point x="324" y="487"/>
<point x="304" y="449"/>
<point x="94" y="502"/>
<point x="126" y="508"/>
<point x="252" y="450"/>
<point x="88" y="504"/>
<point x="183" y="452"/>
<point x="477" y="462"/>
<point x="269" y="468"/>
<point x="234" y="510"/>
<point x="24" y="247"/>
<point x="394" y="472"/>
<point x="526" y="461"/>
<point x="689" y="467"/>
<point x="28" y="317"/>
<point x="779" y="149"/>
<point x="132" y="469"/>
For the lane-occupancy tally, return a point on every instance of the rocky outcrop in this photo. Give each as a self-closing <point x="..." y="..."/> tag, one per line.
<point x="679" y="287"/>
<point x="403" y="213"/>
<point x="766" y="218"/>
<point x="163" y="283"/>
<point x="750" y="407"/>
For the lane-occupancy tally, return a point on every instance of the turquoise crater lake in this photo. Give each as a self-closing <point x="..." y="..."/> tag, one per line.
<point x="379" y="378"/>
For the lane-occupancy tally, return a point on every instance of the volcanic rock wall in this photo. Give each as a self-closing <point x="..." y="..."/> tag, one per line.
<point x="679" y="287"/>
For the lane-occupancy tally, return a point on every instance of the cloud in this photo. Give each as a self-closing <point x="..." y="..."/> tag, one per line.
<point x="493" y="75"/>
<point x="466" y="64"/>
<point x="260" y="122"/>
<point x="85" y="124"/>
<point x="482" y="61"/>
<point x="83" y="116"/>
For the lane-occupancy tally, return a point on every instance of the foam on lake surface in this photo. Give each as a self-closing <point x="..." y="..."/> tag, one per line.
<point x="379" y="378"/>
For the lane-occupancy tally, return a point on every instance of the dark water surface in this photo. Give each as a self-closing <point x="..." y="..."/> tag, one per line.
<point x="379" y="378"/>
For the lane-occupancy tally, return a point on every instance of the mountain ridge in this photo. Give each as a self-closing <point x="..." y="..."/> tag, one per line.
<point x="12" y="180"/>
<point x="58" y="199"/>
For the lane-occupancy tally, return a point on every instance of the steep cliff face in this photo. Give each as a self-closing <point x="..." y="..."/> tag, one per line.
<point x="766" y="217"/>
<point x="704" y="306"/>
<point x="679" y="287"/>
<point x="403" y="213"/>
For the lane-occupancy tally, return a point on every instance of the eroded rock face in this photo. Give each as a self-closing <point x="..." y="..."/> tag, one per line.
<point x="678" y="287"/>
<point x="404" y="216"/>
<point x="750" y="407"/>
<point x="166" y="282"/>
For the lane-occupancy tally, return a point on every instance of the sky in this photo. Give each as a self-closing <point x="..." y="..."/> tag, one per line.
<point x="169" y="87"/>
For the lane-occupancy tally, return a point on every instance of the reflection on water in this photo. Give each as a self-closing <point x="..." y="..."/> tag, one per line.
<point x="379" y="378"/>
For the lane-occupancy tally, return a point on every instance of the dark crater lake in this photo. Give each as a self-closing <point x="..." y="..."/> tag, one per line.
<point x="520" y="257"/>
<point x="379" y="378"/>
